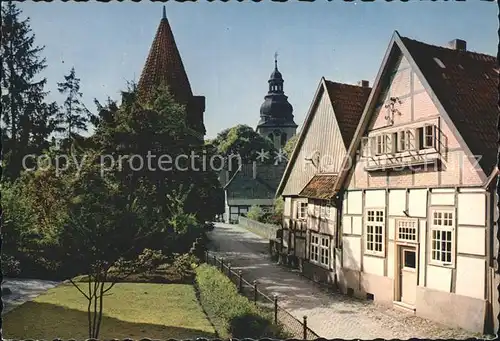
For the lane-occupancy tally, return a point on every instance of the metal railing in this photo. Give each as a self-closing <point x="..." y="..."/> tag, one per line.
<point x="296" y="328"/>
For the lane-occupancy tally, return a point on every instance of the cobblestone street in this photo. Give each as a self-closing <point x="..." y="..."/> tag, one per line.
<point x="330" y="315"/>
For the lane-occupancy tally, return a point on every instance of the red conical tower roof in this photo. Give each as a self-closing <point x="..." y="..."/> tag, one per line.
<point x="164" y="66"/>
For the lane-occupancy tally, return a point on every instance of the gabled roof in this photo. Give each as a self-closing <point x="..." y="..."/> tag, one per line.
<point x="465" y="92"/>
<point x="321" y="186"/>
<point x="243" y="185"/>
<point x="164" y="66"/>
<point x="347" y="102"/>
<point x="468" y="90"/>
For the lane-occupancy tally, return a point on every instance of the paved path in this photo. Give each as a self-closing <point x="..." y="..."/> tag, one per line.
<point x="23" y="290"/>
<point x="329" y="315"/>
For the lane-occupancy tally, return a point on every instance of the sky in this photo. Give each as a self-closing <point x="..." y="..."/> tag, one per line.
<point x="228" y="48"/>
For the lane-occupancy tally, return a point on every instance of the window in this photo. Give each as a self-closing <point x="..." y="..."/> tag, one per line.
<point x="302" y="210"/>
<point x="320" y="249"/>
<point x="390" y="140"/>
<point x="409" y="259"/>
<point x="380" y="144"/>
<point x="429" y="136"/>
<point x="442" y="237"/>
<point x="323" y="211"/>
<point x="375" y="232"/>
<point x="407" y="230"/>
<point x="405" y="140"/>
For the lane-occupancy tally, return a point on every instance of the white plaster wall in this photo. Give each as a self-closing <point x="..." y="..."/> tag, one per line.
<point x="351" y="253"/>
<point x="355" y="202"/>
<point x="288" y="206"/>
<point x="391" y="228"/>
<point x="347" y="224"/>
<point x="397" y="202"/>
<point x="471" y="275"/>
<point x="357" y="225"/>
<point x="442" y="199"/>
<point x="333" y="214"/>
<point x="375" y="198"/>
<point x="439" y="278"/>
<point x="422" y="252"/>
<point x="391" y="259"/>
<point x="471" y="240"/>
<point x="417" y="203"/>
<point x="373" y="265"/>
<point x="472" y="209"/>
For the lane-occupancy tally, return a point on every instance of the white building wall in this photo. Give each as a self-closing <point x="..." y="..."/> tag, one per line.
<point x="467" y="275"/>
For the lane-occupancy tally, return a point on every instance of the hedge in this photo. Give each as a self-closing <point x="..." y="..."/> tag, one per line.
<point x="233" y="315"/>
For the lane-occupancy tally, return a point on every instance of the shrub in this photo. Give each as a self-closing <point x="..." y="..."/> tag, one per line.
<point x="10" y="266"/>
<point x="183" y="265"/>
<point x="232" y="314"/>
<point x="255" y="213"/>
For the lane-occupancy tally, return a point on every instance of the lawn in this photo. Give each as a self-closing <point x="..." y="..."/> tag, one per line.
<point x="133" y="310"/>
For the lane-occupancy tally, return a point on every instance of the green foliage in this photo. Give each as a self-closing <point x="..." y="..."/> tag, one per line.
<point x="74" y="116"/>
<point x="279" y="206"/>
<point x="27" y="121"/>
<point x="242" y="140"/>
<point x="290" y="145"/>
<point x="11" y="267"/>
<point x="233" y="315"/>
<point x="255" y="213"/>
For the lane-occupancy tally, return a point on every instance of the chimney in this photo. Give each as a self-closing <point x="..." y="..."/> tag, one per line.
<point x="458" y="44"/>
<point x="364" y="83"/>
<point x="254" y="170"/>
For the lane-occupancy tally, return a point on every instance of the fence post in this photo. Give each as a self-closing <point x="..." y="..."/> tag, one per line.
<point x="305" y="327"/>
<point x="207" y="257"/>
<point x="275" y="309"/>
<point x="229" y="270"/>
<point x="215" y="260"/>
<point x="240" y="281"/>
<point x="255" y="292"/>
<point x="222" y="265"/>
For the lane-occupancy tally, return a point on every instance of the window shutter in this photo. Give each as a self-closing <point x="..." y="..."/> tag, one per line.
<point x="373" y="145"/>
<point x="435" y="139"/>
<point x="418" y="138"/>
<point x="394" y="144"/>
<point x="388" y="143"/>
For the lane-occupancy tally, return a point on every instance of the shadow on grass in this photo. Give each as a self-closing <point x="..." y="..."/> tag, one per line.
<point x="34" y="320"/>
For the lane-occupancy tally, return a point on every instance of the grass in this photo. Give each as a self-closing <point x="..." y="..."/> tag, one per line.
<point x="133" y="310"/>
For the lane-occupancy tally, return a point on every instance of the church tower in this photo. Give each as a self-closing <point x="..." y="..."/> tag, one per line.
<point x="164" y="67"/>
<point x="276" y="118"/>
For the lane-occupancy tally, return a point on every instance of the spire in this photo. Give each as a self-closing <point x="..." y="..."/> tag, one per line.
<point x="276" y="61"/>
<point x="164" y="66"/>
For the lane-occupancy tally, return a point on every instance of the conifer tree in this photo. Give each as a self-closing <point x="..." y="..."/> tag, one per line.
<point x="74" y="116"/>
<point x="27" y="121"/>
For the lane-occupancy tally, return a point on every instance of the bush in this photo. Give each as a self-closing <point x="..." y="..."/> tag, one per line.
<point x="10" y="266"/>
<point x="255" y="213"/>
<point x="232" y="314"/>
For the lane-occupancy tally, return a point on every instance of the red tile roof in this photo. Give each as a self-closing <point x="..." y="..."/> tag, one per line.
<point x="164" y="66"/>
<point x="321" y="186"/>
<point x="348" y="102"/>
<point x="467" y="87"/>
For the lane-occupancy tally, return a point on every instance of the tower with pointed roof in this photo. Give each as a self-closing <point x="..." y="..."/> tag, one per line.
<point x="164" y="67"/>
<point x="276" y="113"/>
